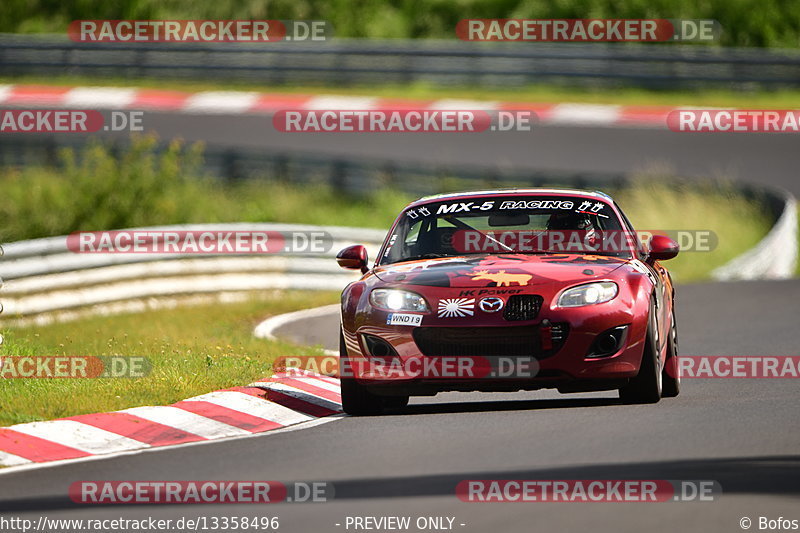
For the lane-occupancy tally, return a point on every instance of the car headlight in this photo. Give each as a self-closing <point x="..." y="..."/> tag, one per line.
<point x="588" y="294"/>
<point x="397" y="300"/>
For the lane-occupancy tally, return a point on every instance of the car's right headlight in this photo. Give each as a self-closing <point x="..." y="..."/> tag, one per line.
<point x="398" y="300"/>
<point x="588" y="294"/>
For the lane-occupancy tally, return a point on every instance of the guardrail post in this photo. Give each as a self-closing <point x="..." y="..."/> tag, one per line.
<point x="338" y="176"/>
<point x="231" y="168"/>
<point x="661" y="65"/>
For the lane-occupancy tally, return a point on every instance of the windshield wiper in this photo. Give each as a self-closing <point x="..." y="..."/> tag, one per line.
<point x="464" y="226"/>
<point x="422" y="256"/>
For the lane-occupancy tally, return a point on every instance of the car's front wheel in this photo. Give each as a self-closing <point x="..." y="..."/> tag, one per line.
<point x="671" y="375"/>
<point x="356" y="399"/>
<point x="646" y="387"/>
<point x="395" y="402"/>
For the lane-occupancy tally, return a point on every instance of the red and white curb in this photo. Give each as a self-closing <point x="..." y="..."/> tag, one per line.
<point x="239" y="102"/>
<point x="270" y="404"/>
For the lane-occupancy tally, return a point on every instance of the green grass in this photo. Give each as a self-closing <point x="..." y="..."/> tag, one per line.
<point x="754" y="99"/>
<point x="744" y="22"/>
<point x="192" y="350"/>
<point x="146" y="189"/>
<point x="651" y="204"/>
<point x="199" y="349"/>
<point x="203" y="348"/>
<point x="739" y="223"/>
<point x="97" y="191"/>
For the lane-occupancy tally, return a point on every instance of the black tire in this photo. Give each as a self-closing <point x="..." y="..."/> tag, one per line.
<point x="646" y="387"/>
<point x="356" y="399"/>
<point x="395" y="402"/>
<point x="671" y="379"/>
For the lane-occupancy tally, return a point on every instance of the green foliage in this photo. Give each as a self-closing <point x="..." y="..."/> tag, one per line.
<point x="141" y="186"/>
<point x="763" y="23"/>
<point x="657" y="203"/>
<point x="101" y="191"/>
<point x="98" y="189"/>
<point x="191" y="351"/>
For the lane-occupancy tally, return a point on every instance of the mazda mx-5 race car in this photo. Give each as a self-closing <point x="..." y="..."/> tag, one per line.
<point x="504" y="291"/>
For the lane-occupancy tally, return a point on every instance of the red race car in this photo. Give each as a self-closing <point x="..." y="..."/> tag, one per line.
<point x="504" y="291"/>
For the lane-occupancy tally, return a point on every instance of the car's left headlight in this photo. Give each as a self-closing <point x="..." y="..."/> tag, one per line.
<point x="588" y="294"/>
<point x="397" y="300"/>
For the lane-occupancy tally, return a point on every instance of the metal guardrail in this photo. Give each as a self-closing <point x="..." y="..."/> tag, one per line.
<point x="45" y="281"/>
<point x="42" y="276"/>
<point x="346" y="62"/>
<point x="347" y="174"/>
<point x="775" y="256"/>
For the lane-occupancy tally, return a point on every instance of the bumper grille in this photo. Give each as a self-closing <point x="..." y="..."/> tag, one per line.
<point x="558" y="334"/>
<point x="508" y="341"/>
<point x="522" y="307"/>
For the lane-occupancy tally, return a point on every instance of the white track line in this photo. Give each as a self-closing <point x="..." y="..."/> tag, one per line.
<point x="80" y="436"/>
<point x="9" y="459"/>
<point x="242" y="102"/>
<point x="221" y="102"/>
<point x="100" y="97"/>
<point x="53" y="464"/>
<point x="584" y="114"/>
<point x="301" y="373"/>
<point x="5" y="92"/>
<point x="108" y="445"/>
<point x="186" y="421"/>
<point x="313" y="381"/>
<point x="244" y="403"/>
<point x="300" y="394"/>
<point x="325" y="102"/>
<point x="266" y="329"/>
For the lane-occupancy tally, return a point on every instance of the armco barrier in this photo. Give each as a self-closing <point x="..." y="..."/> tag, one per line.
<point x="42" y="276"/>
<point x="354" y="174"/>
<point x="347" y="62"/>
<point x="775" y="257"/>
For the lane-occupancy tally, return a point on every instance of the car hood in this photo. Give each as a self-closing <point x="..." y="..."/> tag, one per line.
<point x="512" y="270"/>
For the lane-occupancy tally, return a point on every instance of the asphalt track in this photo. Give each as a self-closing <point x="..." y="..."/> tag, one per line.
<point x="770" y="159"/>
<point x="741" y="433"/>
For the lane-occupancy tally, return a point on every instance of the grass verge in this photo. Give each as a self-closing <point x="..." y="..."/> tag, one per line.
<point x="192" y="350"/>
<point x="97" y="190"/>
<point x="738" y="223"/>
<point x="203" y="348"/>
<point x="750" y="99"/>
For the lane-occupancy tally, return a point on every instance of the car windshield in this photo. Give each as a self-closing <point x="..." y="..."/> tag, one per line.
<point x="507" y="224"/>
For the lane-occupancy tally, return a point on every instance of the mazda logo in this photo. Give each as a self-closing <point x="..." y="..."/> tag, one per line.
<point x="491" y="305"/>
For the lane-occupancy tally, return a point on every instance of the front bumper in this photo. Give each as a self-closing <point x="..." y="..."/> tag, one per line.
<point x="544" y="360"/>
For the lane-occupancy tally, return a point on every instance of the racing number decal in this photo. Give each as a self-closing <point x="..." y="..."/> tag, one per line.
<point x="464" y="206"/>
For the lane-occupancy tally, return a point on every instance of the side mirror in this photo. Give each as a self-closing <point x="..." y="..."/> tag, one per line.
<point x="353" y="257"/>
<point x="662" y="248"/>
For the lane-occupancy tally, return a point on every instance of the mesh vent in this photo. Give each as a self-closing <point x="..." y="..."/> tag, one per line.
<point x="522" y="307"/>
